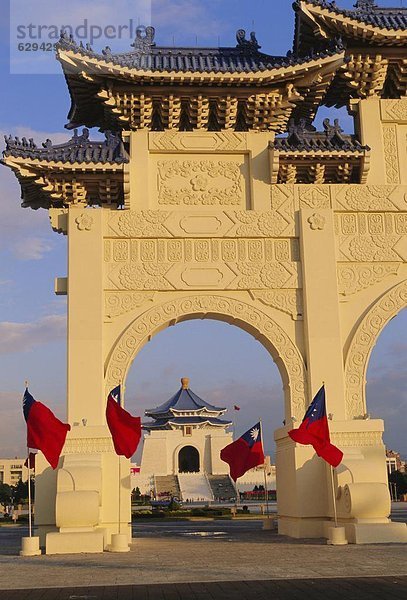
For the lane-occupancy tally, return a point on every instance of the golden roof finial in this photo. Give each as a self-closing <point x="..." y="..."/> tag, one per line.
<point x="185" y="383"/>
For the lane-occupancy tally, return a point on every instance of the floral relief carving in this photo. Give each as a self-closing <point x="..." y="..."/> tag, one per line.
<point x="288" y="301"/>
<point x="84" y="222"/>
<point x="284" y="350"/>
<point x="391" y="157"/>
<point x="253" y="223"/>
<point x="367" y="248"/>
<point x="269" y="275"/>
<point x="145" y="223"/>
<point x="369" y="197"/>
<point x="142" y="276"/>
<point x="353" y="278"/>
<point x="88" y="445"/>
<point x="316" y="222"/>
<point x="204" y="182"/>
<point x="362" y="344"/>
<point x="117" y="304"/>
<point x="356" y="439"/>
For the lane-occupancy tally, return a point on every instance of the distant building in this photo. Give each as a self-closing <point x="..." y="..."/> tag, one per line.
<point x="12" y="470"/>
<point x="394" y="462"/>
<point x="181" y="452"/>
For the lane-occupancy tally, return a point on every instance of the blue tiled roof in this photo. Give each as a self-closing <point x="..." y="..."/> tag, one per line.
<point x="367" y="11"/>
<point x="162" y="423"/>
<point x="302" y="137"/>
<point x="78" y="149"/>
<point x="244" y="58"/>
<point x="183" y="400"/>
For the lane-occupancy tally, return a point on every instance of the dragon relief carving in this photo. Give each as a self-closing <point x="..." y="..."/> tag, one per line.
<point x="362" y="344"/>
<point x="354" y="278"/>
<point x="203" y="182"/>
<point x="285" y="351"/>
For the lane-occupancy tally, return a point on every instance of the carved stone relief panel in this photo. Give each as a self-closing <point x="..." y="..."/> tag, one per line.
<point x="394" y="110"/>
<point x="353" y="278"/>
<point x="371" y="237"/>
<point x="391" y="155"/>
<point x="219" y="223"/>
<point x="200" y="180"/>
<point x="369" y="197"/>
<point x="163" y="264"/>
<point x="195" y="141"/>
<point x="288" y="301"/>
<point x="118" y="303"/>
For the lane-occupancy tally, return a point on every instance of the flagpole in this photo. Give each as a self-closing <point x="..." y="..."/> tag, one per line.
<point x="29" y="494"/>
<point x="119" y="469"/>
<point x="264" y="471"/>
<point x="334" y="496"/>
<point x="332" y="484"/>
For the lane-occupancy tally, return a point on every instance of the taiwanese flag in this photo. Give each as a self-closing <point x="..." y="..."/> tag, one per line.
<point x="314" y="430"/>
<point x="44" y="431"/>
<point x="30" y="461"/>
<point x="244" y="453"/>
<point x="125" y="429"/>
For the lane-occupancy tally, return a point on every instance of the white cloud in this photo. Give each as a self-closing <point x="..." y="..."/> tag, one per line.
<point x="17" y="224"/>
<point x="12" y="425"/>
<point x="22" y="337"/>
<point x="13" y="428"/>
<point x="31" y="248"/>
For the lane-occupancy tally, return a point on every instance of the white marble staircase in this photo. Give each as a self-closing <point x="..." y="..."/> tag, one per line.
<point x="195" y="487"/>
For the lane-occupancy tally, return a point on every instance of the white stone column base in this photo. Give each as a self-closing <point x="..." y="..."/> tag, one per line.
<point x="376" y="533"/>
<point x="120" y="543"/>
<point x="30" y="546"/>
<point x="336" y="536"/>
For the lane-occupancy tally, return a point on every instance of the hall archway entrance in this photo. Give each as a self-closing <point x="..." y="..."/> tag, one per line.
<point x="188" y="460"/>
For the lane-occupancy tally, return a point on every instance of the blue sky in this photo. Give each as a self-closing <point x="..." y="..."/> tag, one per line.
<point x="225" y="364"/>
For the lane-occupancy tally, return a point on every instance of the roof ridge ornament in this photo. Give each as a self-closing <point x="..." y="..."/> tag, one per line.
<point x="185" y="383"/>
<point x="78" y="149"/>
<point x="144" y="40"/>
<point x="365" y="6"/>
<point x="251" y="45"/>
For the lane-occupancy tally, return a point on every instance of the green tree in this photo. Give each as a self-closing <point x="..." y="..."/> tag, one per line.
<point x="400" y="479"/>
<point x="5" y="495"/>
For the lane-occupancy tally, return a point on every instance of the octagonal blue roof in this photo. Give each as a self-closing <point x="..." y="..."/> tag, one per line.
<point x="184" y="401"/>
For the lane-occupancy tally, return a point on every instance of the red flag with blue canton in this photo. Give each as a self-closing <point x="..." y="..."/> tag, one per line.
<point x="244" y="453"/>
<point x="125" y="429"/>
<point x="314" y="430"/>
<point x="44" y="431"/>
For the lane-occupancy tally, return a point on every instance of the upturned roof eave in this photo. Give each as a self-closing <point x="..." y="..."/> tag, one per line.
<point x="20" y="162"/>
<point x="78" y="65"/>
<point x="351" y="24"/>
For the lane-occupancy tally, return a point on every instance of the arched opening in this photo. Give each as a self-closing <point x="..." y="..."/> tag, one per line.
<point x="386" y="388"/>
<point x="227" y="367"/>
<point x="188" y="460"/>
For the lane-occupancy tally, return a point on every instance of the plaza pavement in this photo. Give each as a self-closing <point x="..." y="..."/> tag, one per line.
<point x="171" y="561"/>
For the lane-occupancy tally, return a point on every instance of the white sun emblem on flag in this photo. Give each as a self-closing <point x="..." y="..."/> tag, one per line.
<point x="254" y="433"/>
